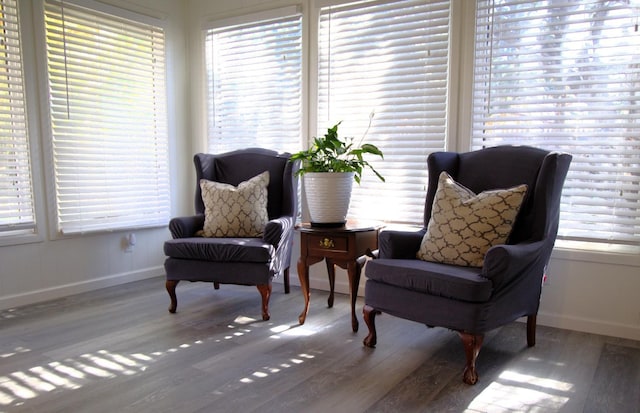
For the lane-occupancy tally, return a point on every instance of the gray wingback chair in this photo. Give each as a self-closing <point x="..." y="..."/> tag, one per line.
<point x="244" y="261"/>
<point x="474" y="300"/>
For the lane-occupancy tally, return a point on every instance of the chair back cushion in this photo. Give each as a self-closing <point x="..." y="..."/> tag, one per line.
<point x="503" y="167"/>
<point x="235" y="211"/>
<point x="238" y="166"/>
<point x="464" y="225"/>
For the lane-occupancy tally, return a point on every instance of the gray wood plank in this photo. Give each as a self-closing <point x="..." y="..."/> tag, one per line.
<point x="118" y="349"/>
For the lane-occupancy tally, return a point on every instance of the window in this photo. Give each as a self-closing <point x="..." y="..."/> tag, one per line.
<point x="109" y="142"/>
<point x="567" y="77"/>
<point x="16" y="195"/>
<point x="387" y="61"/>
<point x="254" y="82"/>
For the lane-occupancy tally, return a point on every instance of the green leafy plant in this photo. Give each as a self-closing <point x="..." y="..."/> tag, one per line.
<point x="331" y="154"/>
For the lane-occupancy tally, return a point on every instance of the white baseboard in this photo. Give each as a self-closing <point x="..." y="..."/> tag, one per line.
<point x="60" y="291"/>
<point x="587" y="325"/>
<point x="568" y="322"/>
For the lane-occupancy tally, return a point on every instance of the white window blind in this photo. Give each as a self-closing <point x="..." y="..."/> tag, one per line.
<point x="389" y="60"/>
<point x="108" y="118"/>
<point x="254" y="85"/>
<point x="566" y="77"/>
<point x="16" y="197"/>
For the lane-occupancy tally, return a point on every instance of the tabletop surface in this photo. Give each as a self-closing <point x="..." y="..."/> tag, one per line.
<point x="350" y="226"/>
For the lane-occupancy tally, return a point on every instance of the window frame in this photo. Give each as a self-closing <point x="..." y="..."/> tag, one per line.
<point x="30" y="82"/>
<point x="47" y="142"/>
<point x="248" y="20"/>
<point x="317" y="126"/>
<point x="600" y="246"/>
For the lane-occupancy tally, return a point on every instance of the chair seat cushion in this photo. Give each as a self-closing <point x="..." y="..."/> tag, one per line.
<point x="220" y="249"/>
<point x="449" y="281"/>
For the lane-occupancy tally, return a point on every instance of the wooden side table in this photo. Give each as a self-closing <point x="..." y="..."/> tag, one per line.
<point x="341" y="246"/>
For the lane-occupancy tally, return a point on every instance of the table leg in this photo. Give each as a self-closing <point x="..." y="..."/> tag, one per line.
<point x="331" y="271"/>
<point x="353" y="271"/>
<point x="303" y="274"/>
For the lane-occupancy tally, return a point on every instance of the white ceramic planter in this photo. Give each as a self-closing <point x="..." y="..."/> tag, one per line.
<point x="328" y="195"/>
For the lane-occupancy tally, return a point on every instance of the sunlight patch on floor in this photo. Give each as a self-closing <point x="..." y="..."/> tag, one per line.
<point x="267" y="371"/>
<point x="292" y="331"/>
<point x="517" y="392"/>
<point x="242" y="320"/>
<point x="73" y="373"/>
<point x="15" y="351"/>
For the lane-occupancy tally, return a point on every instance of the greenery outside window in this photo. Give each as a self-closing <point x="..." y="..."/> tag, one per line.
<point x="566" y="77"/>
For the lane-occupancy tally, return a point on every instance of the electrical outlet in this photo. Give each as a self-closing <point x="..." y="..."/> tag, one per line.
<point x="129" y="242"/>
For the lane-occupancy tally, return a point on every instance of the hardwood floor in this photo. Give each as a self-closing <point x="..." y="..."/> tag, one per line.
<point x="120" y="350"/>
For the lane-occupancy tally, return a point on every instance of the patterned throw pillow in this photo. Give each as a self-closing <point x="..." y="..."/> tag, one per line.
<point x="463" y="225"/>
<point x="235" y="211"/>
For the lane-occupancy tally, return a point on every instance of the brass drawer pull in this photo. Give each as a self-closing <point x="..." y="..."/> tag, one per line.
<point x="327" y="243"/>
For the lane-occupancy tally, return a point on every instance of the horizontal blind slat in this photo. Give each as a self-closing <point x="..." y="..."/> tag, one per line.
<point x="110" y="148"/>
<point x="254" y="76"/>
<point x="17" y="212"/>
<point x="565" y="77"/>
<point x="402" y="47"/>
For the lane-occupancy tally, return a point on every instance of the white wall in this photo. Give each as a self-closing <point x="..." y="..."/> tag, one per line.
<point x="593" y="292"/>
<point x="586" y="291"/>
<point x="51" y="268"/>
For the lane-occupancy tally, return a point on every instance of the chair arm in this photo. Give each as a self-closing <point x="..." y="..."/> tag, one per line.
<point x="505" y="263"/>
<point x="276" y="229"/>
<point x="186" y="227"/>
<point x="399" y="244"/>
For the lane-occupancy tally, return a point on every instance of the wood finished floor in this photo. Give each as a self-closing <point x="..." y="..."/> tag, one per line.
<point x="119" y="350"/>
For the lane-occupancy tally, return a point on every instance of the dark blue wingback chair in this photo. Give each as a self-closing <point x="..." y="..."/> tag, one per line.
<point x="244" y="261"/>
<point x="470" y="300"/>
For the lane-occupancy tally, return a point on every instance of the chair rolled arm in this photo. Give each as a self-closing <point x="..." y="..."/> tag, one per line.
<point x="504" y="263"/>
<point x="186" y="227"/>
<point x="399" y="244"/>
<point x="276" y="228"/>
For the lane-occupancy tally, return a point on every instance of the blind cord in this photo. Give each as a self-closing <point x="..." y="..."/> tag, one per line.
<point x="66" y="70"/>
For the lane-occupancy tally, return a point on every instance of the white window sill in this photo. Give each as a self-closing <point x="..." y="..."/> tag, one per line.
<point x="597" y="252"/>
<point x="20" y="237"/>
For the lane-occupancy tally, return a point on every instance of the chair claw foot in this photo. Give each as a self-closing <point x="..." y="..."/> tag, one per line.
<point x="470" y="376"/>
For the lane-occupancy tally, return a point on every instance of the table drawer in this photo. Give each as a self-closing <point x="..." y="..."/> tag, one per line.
<point x="320" y="244"/>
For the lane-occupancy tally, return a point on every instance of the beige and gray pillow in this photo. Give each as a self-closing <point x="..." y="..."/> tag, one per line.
<point x="235" y="211"/>
<point x="463" y="225"/>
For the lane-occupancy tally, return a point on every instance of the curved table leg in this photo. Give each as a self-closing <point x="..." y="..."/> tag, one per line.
<point x="353" y="271"/>
<point x="331" y="271"/>
<point x="303" y="274"/>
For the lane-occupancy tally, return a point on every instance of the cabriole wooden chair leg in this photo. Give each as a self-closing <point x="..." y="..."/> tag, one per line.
<point x="531" y="330"/>
<point x="287" y="288"/>
<point x="472" y="344"/>
<point x="265" y="292"/>
<point x="369" y="314"/>
<point x="171" y="289"/>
